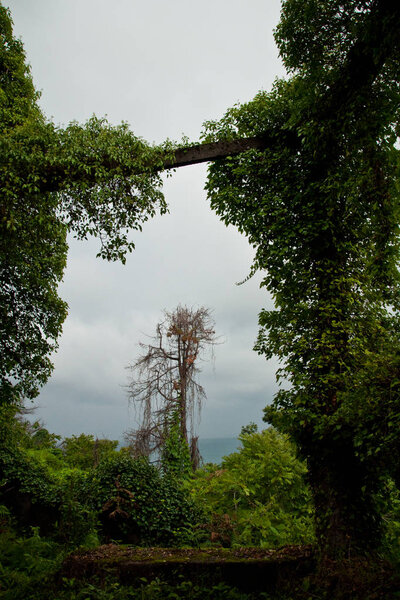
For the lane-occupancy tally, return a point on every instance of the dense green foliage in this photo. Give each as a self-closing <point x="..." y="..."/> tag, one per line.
<point x="137" y="503"/>
<point x="257" y="496"/>
<point x="72" y="493"/>
<point x="32" y="237"/>
<point x="258" y="493"/>
<point x="321" y="207"/>
<point x="175" y="452"/>
<point x="83" y="451"/>
<point x="31" y="474"/>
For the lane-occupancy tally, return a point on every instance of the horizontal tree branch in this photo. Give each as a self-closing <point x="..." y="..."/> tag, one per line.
<point x="200" y="153"/>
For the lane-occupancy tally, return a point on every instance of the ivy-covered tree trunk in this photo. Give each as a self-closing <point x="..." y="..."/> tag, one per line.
<point x="347" y="517"/>
<point x="343" y="483"/>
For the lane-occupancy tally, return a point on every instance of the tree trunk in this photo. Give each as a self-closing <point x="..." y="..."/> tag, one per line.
<point x="183" y="416"/>
<point x="348" y="522"/>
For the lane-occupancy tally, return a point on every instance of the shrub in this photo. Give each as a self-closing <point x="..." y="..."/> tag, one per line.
<point x="136" y="503"/>
<point x="28" y="490"/>
<point x="258" y="494"/>
<point x="38" y="489"/>
<point x="390" y="510"/>
<point x="26" y="564"/>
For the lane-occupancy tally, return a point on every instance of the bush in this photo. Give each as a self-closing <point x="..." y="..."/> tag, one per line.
<point x="26" y="565"/>
<point x="258" y="495"/>
<point x="135" y="503"/>
<point x="28" y="490"/>
<point x="390" y="510"/>
<point x="78" y="523"/>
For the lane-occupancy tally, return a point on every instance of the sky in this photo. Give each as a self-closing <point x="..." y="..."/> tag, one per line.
<point x="165" y="68"/>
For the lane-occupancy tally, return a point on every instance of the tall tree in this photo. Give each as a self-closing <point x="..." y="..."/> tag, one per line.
<point x="163" y="382"/>
<point x="323" y="213"/>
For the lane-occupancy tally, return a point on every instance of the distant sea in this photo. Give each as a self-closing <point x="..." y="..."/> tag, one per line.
<point x="213" y="449"/>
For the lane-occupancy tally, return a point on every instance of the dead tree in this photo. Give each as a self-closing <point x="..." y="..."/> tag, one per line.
<point x="163" y="378"/>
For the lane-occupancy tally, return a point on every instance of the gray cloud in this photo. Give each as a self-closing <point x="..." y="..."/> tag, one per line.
<point x="165" y="67"/>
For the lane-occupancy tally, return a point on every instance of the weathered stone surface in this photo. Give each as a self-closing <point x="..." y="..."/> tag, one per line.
<point x="249" y="569"/>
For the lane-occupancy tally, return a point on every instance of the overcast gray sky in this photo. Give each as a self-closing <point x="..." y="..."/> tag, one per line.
<point x="165" y="68"/>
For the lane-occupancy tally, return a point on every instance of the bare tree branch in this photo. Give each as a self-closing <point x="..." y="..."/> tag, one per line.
<point x="163" y="378"/>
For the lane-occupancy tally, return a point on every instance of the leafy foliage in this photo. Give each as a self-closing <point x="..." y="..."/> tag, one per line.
<point x="83" y="451"/>
<point x="19" y="472"/>
<point x="175" y="453"/>
<point x="136" y="503"/>
<point x="260" y="489"/>
<point x="258" y="496"/>
<point x="32" y="238"/>
<point x="37" y="486"/>
<point x="26" y="564"/>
